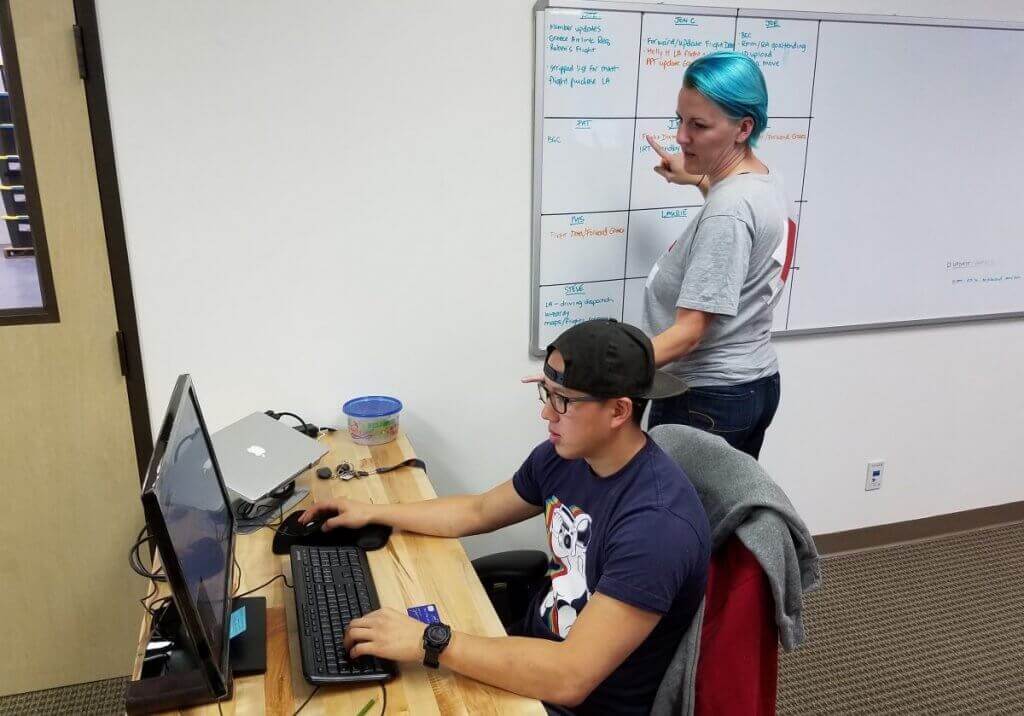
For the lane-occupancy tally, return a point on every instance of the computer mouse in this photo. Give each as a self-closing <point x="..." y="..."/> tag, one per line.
<point x="310" y="528"/>
<point x="291" y="532"/>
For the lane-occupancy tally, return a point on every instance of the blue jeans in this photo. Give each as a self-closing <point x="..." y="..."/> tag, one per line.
<point x="739" y="413"/>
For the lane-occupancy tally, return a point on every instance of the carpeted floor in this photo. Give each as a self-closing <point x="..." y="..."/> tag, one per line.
<point x="927" y="628"/>
<point x="95" y="698"/>
<point x="931" y="627"/>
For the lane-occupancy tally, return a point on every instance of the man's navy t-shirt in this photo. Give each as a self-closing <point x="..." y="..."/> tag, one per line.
<point x="640" y="536"/>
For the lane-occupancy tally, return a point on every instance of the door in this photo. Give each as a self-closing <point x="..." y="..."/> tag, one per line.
<point x="68" y="466"/>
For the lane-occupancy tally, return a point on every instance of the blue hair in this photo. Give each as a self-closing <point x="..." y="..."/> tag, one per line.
<point x="733" y="82"/>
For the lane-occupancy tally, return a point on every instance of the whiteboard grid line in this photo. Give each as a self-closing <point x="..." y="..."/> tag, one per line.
<point x="803" y="177"/>
<point x="769" y="14"/>
<point x="632" y="155"/>
<point x="939" y="24"/>
<point x="540" y="22"/>
<point x="596" y="280"/>
<point x="656" y="117"/>
<point x="904" y="323"/>
<point x="624" y="211"/>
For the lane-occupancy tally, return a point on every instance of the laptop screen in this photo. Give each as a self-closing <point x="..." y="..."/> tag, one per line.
<point x="198" y="520"/>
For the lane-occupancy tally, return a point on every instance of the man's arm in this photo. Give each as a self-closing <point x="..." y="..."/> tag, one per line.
<point x="455" y="516"/>
<point x="606" y="632"/>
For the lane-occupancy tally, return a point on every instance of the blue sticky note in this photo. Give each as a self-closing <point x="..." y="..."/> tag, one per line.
<point x="426" y="613"/>
<point x="237" y="622"/>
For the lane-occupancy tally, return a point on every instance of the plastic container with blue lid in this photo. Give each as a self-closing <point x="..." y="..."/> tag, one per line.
<point x="372" y="419"/>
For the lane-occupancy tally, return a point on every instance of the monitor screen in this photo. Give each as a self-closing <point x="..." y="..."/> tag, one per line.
<point x="197" y="521"/>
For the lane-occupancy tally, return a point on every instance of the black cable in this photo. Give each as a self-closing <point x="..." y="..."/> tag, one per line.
<point x="255" y="510"/>
<point x="152" y="593"/>
<point x="159" y="604"/>
<point x="283" y="492"/>
<point x="308" y="699"/>
<point x="272" y="526"/>
<point x="255" y="589"/>
<point x="384" y="699"/>
<point x="135" y="559"/>
<point x="307" y="429"/>
<point x="239" y="596"/>
<point x="279" y="413"/>
<point x="155" y="626"/>
<point x="236" y="585"/>
<point x="244" y="509"/>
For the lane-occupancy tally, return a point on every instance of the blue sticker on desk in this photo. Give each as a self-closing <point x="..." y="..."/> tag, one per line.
<point x="427" y="613"/>
<point x="237" y="622"/>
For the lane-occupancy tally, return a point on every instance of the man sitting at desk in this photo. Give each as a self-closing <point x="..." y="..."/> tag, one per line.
<point x="628" y="533"/>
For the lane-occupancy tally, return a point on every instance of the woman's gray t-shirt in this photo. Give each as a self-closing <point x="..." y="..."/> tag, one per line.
<point x="732" y="260"/>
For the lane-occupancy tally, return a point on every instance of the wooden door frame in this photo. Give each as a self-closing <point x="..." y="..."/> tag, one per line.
<point x="91" y="70"/>
<point x="48" y="312"/>
<point x="90" y="61"/>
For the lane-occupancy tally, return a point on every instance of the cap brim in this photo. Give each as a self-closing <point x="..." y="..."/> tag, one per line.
<point x="665" y="385"/>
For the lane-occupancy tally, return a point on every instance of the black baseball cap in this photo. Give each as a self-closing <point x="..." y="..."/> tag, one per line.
<point x="609" y="359"/>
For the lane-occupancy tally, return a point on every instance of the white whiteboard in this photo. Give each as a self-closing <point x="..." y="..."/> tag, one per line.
<point x="893" y="138"/>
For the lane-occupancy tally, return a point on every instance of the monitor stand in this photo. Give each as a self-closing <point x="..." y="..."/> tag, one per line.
<point x="172" y="676"/>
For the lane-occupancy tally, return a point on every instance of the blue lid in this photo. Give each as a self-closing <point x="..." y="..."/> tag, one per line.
<point x="372" y="406"/>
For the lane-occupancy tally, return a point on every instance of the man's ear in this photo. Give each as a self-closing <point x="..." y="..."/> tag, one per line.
<point x="622" y="411"/>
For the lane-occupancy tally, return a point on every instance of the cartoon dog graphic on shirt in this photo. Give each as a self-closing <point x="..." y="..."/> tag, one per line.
<point x="568" y="534"/>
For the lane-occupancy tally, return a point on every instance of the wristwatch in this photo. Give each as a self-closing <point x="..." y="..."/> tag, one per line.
<point x="435" y="640"/>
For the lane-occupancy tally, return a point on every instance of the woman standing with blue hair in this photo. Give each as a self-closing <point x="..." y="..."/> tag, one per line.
<point x="708" y="300"/>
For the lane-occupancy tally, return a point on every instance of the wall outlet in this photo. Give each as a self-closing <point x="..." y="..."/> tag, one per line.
<point x="874" y="479"/>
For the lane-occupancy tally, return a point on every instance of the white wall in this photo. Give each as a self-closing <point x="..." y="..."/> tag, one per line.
<point x="327" y="199"/>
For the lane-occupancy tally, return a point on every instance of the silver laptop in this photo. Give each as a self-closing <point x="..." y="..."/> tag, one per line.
<point x="258" y="454"/>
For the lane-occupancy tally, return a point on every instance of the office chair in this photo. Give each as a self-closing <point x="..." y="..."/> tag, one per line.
<point x="730" y="653"/>
<point x="511" y="580"/>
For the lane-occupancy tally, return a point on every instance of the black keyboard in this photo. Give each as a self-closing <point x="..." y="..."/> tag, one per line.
<point x="333" y="586"/>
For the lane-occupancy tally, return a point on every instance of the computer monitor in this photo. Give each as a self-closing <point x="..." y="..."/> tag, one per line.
<point x="188" y="515"/>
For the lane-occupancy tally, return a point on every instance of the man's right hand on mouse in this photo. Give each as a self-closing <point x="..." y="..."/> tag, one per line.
<point x="347" y="513"/>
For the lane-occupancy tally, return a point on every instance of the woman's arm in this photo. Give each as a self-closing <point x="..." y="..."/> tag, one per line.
<point x="672" y="168"/>
<point x="682" y="336"/>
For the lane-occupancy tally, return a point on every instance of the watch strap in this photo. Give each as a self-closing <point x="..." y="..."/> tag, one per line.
<point x="432" y="650"/>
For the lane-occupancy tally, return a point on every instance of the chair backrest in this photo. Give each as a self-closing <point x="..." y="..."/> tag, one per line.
<point x="715" y="468"/>
<point x="738" y="664"/>
<point x="740" y="498"/>
<point x="755" y="530"/>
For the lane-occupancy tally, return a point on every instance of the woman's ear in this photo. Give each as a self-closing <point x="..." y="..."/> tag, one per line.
<point x="744" y="128"/>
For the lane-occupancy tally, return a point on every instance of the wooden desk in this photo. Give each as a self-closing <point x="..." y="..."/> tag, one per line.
<point x="411" y="569"/>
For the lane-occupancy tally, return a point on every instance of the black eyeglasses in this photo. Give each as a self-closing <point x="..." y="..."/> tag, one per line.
<point x="560" y="403"/>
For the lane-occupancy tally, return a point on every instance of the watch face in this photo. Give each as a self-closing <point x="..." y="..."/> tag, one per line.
<point x="437" y="633"/>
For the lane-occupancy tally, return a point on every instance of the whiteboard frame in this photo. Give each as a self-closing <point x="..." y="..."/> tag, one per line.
<point x="668" y="9"/>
